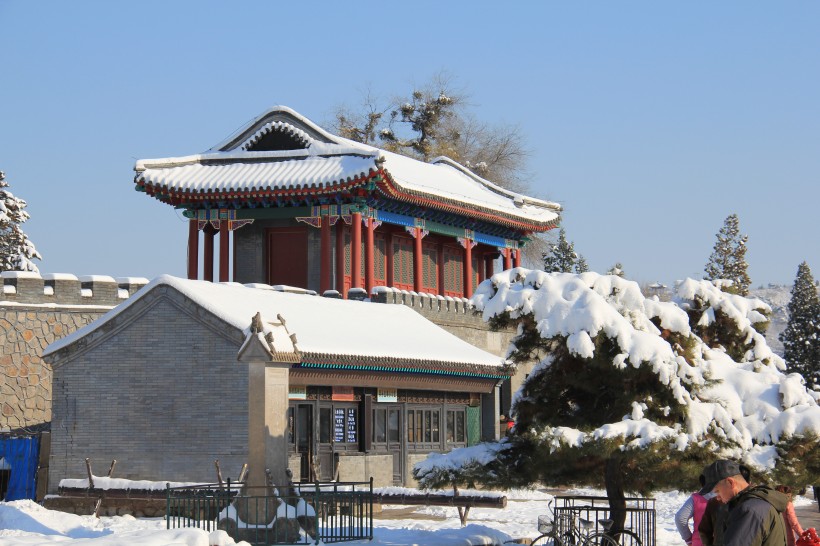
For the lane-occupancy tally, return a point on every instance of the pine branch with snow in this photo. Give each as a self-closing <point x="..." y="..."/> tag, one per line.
<point x="561" y="257"/>
<point x="728" y="258"/>
<point x="17" y="252"/>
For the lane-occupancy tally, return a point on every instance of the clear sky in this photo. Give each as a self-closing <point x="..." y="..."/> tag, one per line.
<point x="650" y="122"/>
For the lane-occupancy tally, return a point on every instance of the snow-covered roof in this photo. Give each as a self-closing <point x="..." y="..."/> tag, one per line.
<point x="322" y="162"/>
<point x="327" y="330"/>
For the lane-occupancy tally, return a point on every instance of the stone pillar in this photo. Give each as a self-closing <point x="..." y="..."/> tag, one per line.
<point x="193" y="249"/>
<point x="356" y="251"/>
<point x="325" y="253"/>
<point x="490" y="414"/>
<point x="267" y="422"/>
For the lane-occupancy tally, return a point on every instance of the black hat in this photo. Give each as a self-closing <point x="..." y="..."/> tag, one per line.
<point x="720" y="470"/>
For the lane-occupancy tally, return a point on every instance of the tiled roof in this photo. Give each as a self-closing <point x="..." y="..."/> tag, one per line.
<point x="324" y="163"/>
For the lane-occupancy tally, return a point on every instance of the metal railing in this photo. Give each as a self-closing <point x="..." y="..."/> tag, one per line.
<point x="640" y="514"/>
<point x="303" y="513"/>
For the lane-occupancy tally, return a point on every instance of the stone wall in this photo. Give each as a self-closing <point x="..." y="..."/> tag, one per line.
<point x="34" y="312"/>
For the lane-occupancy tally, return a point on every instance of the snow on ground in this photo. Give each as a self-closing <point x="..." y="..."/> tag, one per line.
<point x="25" y="523"/>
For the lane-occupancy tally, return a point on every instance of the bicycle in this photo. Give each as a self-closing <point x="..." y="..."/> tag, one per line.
<point x="567" y="533"/>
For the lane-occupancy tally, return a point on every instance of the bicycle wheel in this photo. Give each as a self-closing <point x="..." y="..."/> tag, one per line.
<point x="542" y="540"/>
<point x="628" y="538"/>
<point x="599" y="539"/>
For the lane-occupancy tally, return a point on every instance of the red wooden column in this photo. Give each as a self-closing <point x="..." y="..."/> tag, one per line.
<point x="418" y="258"/>
<point x="516" y="257"/>
<point x="507" y="259"/>
<point x="440" y="250"/>
<point x="325" y="253"/>
<point x="489" y="263"/>
<point x="224" y="250"/>
<point x="340" y="257"/>
<point x="482" y="267"/>
<point x="193" y="249"/>
<point x="468" y="268"/>
<point x="356" y="252"/>
<point x="208" y="255"/>
<point x="368" y="255"/>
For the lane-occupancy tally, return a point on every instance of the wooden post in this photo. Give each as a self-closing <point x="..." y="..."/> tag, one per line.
<point x="193" y="249"/>
<point x="468" y="268"/>
<point x="356" y="251"/>
<point x="208" y="256"/>
<point x="340" y="257"/>
<point x="489" y="263"/>
<point x="507" y="259"/>
<point x="516" y="257"/>
<point x="368" y="256"/>
<point x="224" y="250"/>
<point x="418" y="257"/>
<point x="325" y="252"/>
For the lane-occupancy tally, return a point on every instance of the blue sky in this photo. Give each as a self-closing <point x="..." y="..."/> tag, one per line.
<point x="650" y="122"/>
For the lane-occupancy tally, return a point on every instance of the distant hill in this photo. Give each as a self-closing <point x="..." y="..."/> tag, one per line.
<point x="777" y="297"/>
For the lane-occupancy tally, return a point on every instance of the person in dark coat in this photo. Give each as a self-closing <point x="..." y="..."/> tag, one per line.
<point x="755" y="512"/>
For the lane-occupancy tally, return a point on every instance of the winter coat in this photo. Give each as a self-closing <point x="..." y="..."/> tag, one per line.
<point x="755" y="518"/>
<point x="692" y="509"/>
<point x="793" y="528"/>
<point x="712" y="523"/>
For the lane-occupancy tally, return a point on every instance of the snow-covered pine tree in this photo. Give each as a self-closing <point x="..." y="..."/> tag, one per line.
<point x="801" y="338"/>
<point x="16" y="250"/>
<point x="626" y="394"/>
<point x="581" y="265"/>
<point x="617" y="270"/>
<point x="728" y="259"/>
<point x="561" y="257"/>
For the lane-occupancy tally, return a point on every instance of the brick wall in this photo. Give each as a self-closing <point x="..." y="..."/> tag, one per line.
<point x="164" y="417"/>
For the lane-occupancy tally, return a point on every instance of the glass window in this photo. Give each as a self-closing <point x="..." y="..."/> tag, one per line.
<point x="411" y="422"/>
<point x="428" y="426"/>
<point x="393" y="417"/>
<point x="325" y="425"/>
<point x="435" y="427"/>
<point x="379" y="426"/>
<point x="460" y="434"/>
<point x="451" y="426"/>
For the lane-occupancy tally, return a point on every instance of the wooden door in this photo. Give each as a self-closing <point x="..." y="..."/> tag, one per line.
<point x="288" y="256"/>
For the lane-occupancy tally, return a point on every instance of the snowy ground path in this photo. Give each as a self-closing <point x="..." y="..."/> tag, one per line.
<point x="25" y="523"/>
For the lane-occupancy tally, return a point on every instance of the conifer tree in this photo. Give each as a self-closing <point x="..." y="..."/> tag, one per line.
<point x="617" y="270"/>
<point x="16" y="250"/>
<point x="581" y="265"/>
<point x="801" y="338"/>
<point x="728" y="259"/>
<point x="561" y="257"/>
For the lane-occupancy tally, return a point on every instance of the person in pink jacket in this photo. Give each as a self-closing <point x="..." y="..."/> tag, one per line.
<point x="793" y="529"/>
<point x="692" y="509"/>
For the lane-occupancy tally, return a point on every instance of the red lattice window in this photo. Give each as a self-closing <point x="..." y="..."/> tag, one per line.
<point x="453" y="271"/>
<point x="402" y="262"/>
<point x="429" y="267"/>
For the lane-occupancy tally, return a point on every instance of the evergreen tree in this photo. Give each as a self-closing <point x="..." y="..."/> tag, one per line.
<point x="801" y="338"/>
<point x="617" y="270"/>
<point x="561" y="257"/>
<point x="581" y="265"/>
<point x="16" y="251"/>
<point x="628" y="395"/>
<point x="728" y="259"/>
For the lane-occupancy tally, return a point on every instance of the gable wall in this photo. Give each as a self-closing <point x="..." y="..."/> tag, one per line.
<point x="147" y="397"/>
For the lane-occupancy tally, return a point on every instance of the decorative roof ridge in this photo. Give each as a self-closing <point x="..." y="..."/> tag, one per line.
<point x="240" y="155"/>
<point x="518" y="198"/>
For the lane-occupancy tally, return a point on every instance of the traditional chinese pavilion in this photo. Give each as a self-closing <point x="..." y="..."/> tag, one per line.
<point x="322" y="212"/>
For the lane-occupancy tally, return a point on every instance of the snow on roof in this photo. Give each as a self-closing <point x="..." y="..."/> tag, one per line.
<point x="327" y="160"/>
<point x="323" y="326"/>
<point x="753" y="403"/>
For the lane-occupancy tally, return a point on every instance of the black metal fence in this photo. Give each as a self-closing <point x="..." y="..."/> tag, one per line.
<point x="640" y="514"/>
<point x="293" y="514"/>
